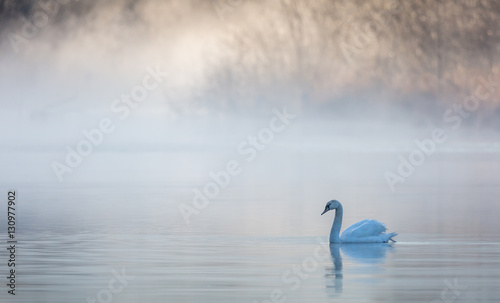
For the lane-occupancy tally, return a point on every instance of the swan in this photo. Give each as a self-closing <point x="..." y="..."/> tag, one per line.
<point x="366" y="231"/>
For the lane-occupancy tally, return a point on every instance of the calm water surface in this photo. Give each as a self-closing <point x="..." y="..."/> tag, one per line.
<point x="256" y="242"/>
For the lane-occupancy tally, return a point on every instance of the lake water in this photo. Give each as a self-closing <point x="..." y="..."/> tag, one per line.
<point x="262" y="239"/>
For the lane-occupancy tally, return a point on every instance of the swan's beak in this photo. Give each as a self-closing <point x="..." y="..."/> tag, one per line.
<point x="326" y="209"/>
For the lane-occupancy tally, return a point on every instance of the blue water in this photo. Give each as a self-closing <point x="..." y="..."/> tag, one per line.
<point x="261" y="239"/>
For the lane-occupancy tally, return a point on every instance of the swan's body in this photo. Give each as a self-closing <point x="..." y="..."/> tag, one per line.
<point x="366" y="231"/>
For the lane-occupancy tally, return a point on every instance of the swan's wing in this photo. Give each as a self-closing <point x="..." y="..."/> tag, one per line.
<point x="365" y="228"/>
<point x="353" y="227"/>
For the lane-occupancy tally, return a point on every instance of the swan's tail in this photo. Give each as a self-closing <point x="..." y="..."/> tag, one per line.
<point x="390" y="237"/>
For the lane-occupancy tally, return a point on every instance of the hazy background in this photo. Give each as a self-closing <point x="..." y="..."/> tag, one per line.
<point x="361" y="76"/>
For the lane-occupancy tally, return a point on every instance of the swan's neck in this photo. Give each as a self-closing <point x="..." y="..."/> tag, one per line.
<point x="337" y="224"/>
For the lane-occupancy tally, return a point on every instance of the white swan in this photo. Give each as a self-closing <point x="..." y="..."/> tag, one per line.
<point x="366" y="231"/>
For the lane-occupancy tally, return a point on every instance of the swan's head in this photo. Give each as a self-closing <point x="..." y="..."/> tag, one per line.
<point x="330" y="205"/>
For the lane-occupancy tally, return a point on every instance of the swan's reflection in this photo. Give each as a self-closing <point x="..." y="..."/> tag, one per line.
<point x="335" y="276"/>
<point x="367" y="253"/>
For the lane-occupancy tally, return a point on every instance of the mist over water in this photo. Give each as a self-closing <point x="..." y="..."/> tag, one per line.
<point x="194" y="144"/>
<point x="388" y="70"/>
